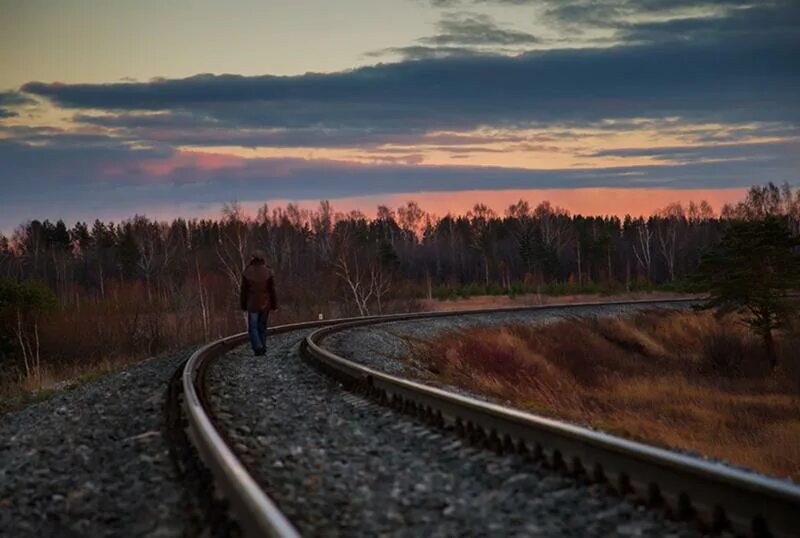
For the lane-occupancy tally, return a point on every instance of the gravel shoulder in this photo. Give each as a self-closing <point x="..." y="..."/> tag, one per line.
<point x="92" y="461"/>
<point x="339" y="465"/>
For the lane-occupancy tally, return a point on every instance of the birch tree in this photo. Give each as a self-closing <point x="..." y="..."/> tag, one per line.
<point x="642" y="246"/>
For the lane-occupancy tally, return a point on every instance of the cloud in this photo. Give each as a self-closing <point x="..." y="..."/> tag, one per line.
<point x="10" y="100"/>
<point x="751" y="24"/>
<point x="586" y="9"/>
<point x="425" y="52"/>
<point x="476" y="29"/>
<point x="728" y="82"/>
<point x="786" y="152"/>
<point x="463" y="34"/>
<point x="189" y="130"/>
<point x="636" y="21"/>
<point x="163" y="120"/>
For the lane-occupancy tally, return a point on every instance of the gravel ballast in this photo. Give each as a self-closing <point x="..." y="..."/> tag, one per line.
<point x="339" y="465"/>
<point x="93" y="461"/>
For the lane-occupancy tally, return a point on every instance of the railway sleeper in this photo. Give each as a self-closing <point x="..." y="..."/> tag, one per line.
<point x="649" y="494"/>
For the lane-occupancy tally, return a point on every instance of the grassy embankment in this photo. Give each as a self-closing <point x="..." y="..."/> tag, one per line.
<point x="686" y="380"/>
<point x="107" y="341"/>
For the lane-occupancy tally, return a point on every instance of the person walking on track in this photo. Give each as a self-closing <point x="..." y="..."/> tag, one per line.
<point x="258" y="299"/>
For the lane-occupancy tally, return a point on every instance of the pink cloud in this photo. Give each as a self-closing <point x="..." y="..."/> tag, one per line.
<point x="190" y="159"/>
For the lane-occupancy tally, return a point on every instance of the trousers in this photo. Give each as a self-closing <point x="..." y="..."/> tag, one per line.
<point x="257" y="329"/>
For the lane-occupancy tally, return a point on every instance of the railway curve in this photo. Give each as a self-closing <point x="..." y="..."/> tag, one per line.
<point x="719" y="496"/>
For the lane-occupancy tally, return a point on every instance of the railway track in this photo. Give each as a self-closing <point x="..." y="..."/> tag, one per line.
<point x="718" y="496"/>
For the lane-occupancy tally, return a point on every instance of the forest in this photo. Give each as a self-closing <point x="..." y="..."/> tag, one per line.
<point x="72" y="296"/>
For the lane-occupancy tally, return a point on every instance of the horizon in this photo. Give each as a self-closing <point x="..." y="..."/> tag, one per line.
<point x="115" y="109"/>
<point x="456" y="207"/>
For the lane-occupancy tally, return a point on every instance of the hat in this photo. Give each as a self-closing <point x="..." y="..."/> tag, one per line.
<point x="258" y="254"/>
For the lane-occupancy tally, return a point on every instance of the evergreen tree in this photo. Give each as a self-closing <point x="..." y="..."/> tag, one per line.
<point x="127" y="251"/>
<point x="21" y="306"/>
<point x="751" y="272"/>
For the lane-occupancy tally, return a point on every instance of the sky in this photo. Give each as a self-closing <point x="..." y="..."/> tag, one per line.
<point x="110" y="108"/>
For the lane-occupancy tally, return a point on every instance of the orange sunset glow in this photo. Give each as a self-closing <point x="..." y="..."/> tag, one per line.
<point x="592" y="201"/>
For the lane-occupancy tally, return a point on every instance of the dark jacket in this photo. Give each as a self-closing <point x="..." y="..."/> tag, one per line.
<point x="258" y="288"/>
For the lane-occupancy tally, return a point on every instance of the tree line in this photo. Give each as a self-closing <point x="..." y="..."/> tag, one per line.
<point x="141" y="285"/>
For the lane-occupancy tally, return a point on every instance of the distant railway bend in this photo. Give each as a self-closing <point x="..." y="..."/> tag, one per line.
<point x="325" y="437"/>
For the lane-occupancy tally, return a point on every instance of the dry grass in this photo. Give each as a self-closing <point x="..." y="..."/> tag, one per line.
<point x="103" y="335"/>
<point x="687" y="380"/>
<point x="500" y="301"/>
<point x="35" y="389"/>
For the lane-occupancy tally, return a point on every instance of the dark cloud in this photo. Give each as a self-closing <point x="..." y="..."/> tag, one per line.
<point x="752" y="24"/>
<point x="476" y="29"/>
<point x="463" y="34"/>
<point x="746" y="132"/>
<point x="729" y="82"/>
<point x="9" y="100"/>
<point x="787" y="153"/>
<point x="635" y="21"/>
<point x="30" y="139"/>
<point x="183" y="129"/>
<point x="587" y="9"/>
<point x="197" y="130"/>
<point x="603" y="12"/>
<point x="65" y="167"/>
<point x="12" y="98"/>
<point x="161" y="120"/>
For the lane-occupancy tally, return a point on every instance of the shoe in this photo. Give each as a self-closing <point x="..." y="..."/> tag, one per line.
<point x="260" y="352"/>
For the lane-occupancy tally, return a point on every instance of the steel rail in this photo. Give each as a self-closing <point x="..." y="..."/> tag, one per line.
<point x="720" y="495"/>
<point x="253" y="509"/>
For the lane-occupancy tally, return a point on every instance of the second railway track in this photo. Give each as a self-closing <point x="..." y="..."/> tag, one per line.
<point x="346" y="463"/>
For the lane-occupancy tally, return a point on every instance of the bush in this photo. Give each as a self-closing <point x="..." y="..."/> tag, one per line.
<point x="724" y="353"/>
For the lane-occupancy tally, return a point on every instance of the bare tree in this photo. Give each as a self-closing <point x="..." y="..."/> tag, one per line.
<point x="203" y="295"/>
<point x="480" y="218"/>
<point x="234" y="243"/>
<point x="381" y="283"/>
<point x="410" y="217"/>
<point x="360" y="284"/>
<point x="322" y="225"/>
<point x="553" y="223"/>
<point x="642" y="246"/>
<point x="147" y="241"/>
<point x="670" y="220"/>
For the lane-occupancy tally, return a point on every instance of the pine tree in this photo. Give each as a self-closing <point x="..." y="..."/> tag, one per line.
<point x="751" y="272"/>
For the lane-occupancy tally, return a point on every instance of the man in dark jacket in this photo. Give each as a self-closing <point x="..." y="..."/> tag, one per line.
<point x="257" y="299"/>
